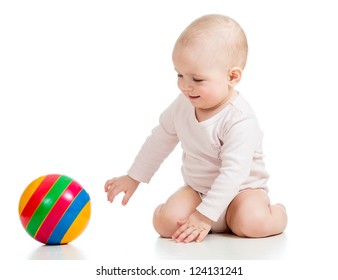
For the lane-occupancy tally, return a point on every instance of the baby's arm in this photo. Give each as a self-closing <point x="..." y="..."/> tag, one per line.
<point x="117" y="185"/>
<point x="155" y="149"/>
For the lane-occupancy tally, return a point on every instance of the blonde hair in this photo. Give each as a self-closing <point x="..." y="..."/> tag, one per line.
<point x="219" y="33"/>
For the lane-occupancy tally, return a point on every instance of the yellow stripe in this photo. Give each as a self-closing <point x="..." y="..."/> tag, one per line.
<point x="28" y="192"/>
<point x="78" y="225"/>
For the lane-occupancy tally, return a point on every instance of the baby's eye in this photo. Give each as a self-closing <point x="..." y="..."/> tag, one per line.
<point x="179" y="75"/>
<point x="197" y="80"/>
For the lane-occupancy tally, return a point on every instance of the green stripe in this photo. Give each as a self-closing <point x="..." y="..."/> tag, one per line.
<point x="47" y="204"/>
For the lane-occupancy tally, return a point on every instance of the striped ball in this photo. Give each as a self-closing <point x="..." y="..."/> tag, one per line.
<point x="54" y="209"/>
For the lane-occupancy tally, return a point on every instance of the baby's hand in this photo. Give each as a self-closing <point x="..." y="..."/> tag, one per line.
<point x="124" y="184"/>
<point x="196" y="227"/>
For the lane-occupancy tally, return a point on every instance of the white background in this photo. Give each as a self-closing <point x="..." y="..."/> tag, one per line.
<point x="82" y="83"/>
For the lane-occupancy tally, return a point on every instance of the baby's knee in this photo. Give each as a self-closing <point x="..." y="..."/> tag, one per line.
<point x="165" y="223"/>
<point x="256" y="225"/>
<point x="251" y="224"/>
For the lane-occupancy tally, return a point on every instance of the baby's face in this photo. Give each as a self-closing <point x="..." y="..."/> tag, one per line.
<point x="202" y="77"/>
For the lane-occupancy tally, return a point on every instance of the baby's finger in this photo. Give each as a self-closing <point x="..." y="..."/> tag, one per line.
<point x="110" y="195"/>
<point x="182" y="233"/>
<point x="178" y="232"/>
<point x="188" y="235"/>
<point x="108" y="184"/>
<point x="202" y="235"/>
<point x="126" y="198"/>
<point x="192" y="236"/>
<point x="113" y="192"/>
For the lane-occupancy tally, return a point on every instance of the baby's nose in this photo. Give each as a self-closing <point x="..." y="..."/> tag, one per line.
<point x="186" y="86"/>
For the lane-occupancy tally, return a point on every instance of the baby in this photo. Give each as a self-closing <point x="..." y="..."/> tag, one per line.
<point x="223" y="170"/>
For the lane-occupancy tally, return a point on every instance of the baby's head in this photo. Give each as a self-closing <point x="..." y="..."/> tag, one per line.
<point x="218" y="35"/>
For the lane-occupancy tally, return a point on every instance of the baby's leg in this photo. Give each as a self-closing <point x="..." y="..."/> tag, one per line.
<point x="251" y="215"/>
<point x="179" y="205"/>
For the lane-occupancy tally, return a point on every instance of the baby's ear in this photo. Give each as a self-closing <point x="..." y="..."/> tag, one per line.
<point x="234" y="76"/>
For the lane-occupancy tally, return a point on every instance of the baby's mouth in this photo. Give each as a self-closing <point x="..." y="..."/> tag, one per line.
<point x="194" y="96"/>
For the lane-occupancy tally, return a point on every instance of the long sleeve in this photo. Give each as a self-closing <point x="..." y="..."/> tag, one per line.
<point x="157" y="147"/>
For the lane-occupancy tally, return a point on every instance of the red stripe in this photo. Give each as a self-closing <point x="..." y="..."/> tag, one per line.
<point x="57" y="212"/>
<point x="37" y="197"/>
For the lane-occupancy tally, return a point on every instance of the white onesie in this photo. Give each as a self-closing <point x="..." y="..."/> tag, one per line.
<point x="221" y="155"/>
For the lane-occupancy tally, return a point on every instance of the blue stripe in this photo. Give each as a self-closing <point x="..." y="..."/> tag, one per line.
<point x="68" y="218"/>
